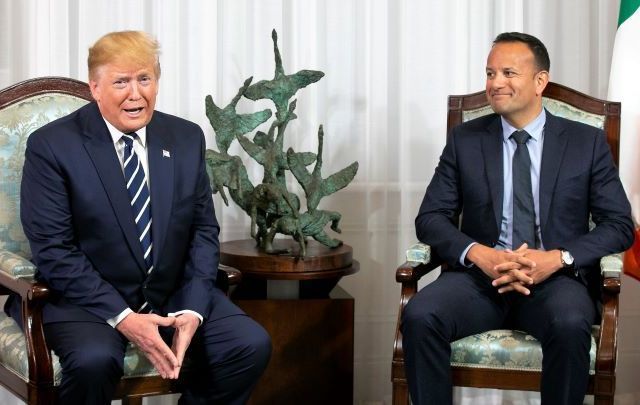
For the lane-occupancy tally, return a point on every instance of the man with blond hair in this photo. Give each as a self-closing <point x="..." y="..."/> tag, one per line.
<point x="118" y="211"/>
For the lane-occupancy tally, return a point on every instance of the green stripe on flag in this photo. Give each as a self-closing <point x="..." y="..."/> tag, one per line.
<point x="627" y="8"/>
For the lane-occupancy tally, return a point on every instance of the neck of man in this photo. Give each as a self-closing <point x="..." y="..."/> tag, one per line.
<point x="523" y="119"/>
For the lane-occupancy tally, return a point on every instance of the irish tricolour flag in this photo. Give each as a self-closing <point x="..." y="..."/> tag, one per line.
<point x="624" y="86"/>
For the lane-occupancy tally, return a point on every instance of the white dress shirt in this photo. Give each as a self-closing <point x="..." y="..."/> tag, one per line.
<point x="534" y="145"/>
<point x="140" y="147"/>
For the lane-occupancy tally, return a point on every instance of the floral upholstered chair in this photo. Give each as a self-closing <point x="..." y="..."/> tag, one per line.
<point x="511" y="359"/>
<point x="27" y="368"/>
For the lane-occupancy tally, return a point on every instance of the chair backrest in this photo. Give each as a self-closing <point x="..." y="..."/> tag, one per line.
<point x="25" y="107"/>
<point x="559" y="100"/>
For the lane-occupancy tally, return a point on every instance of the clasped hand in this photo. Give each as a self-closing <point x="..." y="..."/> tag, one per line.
<point x="142" y="330"/>
<point x="515" y="270"/>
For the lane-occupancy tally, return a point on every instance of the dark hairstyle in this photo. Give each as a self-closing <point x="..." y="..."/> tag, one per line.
<point x="540" y="54"/>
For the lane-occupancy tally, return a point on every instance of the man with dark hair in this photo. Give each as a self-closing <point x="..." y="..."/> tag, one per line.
<point x="540" y="54"/>
<point x="525" y="183"/>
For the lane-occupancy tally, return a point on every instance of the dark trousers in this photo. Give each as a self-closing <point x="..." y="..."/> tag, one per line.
<point x="558" y="313"/>
<point x="227" y="356"/>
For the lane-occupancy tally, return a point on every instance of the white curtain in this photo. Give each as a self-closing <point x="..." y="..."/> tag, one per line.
<point x="389" y="64"/>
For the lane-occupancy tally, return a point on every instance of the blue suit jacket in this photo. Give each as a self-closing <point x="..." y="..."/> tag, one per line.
<point x="577" y="178"/>
<point x="76" y="213"/>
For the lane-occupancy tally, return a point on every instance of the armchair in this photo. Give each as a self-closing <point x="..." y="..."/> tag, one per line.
<point x="27" y="367"/>
<point x="510" y="359"/>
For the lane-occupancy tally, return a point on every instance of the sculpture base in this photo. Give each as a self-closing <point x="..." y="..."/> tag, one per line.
<point x="312" y="358"/>
<point x="311" y="326"/>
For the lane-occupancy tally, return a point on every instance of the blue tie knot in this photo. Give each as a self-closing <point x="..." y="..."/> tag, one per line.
<point x="521" y="137"/>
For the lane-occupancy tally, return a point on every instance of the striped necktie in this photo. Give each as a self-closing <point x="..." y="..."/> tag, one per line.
<point x="140" y="199"/>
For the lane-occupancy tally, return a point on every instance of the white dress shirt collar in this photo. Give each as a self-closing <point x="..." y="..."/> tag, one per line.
<point x="534" y="128"/>
<point x="116" y="134"/>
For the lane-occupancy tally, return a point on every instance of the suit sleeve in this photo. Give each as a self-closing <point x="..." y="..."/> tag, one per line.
<point x="610" y="211"/>
<point x="203" y="255"/>
<point x="436" y="223"/>
<point x="48" y="224"/>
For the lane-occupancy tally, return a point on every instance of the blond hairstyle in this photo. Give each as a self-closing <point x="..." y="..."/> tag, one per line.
<point x="136" y="48"/>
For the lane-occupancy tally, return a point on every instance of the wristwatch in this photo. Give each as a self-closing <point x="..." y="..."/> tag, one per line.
<point x="566" y="258"/>
<point x="568" y="263"/>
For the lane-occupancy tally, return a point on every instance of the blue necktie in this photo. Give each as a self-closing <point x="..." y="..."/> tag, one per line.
<point x="523" y="212"/>
<point x="140" y="199"/>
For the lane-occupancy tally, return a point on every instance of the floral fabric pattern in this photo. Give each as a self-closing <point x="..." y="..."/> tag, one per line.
<point x="17" y="122"/>
<point x="506" y="349"/>
<point x="16" y="266"/>
<point x="555" y="107"/>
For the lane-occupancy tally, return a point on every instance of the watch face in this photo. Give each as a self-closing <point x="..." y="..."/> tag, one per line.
<point x="567" y="259"/>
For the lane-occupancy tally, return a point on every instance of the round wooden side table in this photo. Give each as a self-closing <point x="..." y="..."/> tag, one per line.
<point x="318" y="272"/>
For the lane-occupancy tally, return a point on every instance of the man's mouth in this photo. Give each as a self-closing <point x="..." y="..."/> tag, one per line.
<point x="133" y="111"/>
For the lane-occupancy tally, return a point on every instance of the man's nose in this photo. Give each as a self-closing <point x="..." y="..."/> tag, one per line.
<point x="498" y="81"/>
<point x="134" y="91"/>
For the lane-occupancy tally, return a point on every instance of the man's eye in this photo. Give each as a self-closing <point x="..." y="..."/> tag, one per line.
<point x="119" y="84"/>
<point x="490" y="75"/>
<point x="145" y="80"/>
<point x="509" y="74"/>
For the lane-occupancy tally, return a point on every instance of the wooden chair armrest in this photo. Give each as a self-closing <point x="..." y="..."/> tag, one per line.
<point x="611" y="269"/>
<point x="409" y="272"/>
<point x="227" y="276"/>
<point x="26" y="287"/>
<point x="16" y="275"/>
<point x="34" y="295"/>
<point x="419" y="262"/>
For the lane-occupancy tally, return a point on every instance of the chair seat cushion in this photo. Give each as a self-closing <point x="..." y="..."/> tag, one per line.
<point x="13" y="354"/>
<point x="506" y="349"/>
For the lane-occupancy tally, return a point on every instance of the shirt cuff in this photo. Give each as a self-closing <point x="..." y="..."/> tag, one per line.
<point x="113" y="322"/>
<point x="187" y="311"/>
<point x="463" y="256"/>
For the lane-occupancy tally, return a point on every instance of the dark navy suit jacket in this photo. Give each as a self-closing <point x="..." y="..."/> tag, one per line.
<point x="76" y="213"/>
<point x="577" y="178"/>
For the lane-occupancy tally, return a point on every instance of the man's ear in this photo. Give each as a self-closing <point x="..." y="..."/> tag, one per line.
<point x="95" y="90"/>
<point x="542" y="79"/>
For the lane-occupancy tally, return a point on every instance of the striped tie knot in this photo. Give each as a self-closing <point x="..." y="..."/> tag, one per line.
<point x="128" y="140"/>
<point x="138" y="190"/>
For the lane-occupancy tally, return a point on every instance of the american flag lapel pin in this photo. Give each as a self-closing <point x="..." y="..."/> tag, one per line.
<point x="166" y="153"/>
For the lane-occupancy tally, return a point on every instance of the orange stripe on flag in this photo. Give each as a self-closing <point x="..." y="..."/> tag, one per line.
<point x="631" y="264"/>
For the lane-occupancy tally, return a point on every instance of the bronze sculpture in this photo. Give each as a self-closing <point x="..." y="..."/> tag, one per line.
<point x="272" y="207"/>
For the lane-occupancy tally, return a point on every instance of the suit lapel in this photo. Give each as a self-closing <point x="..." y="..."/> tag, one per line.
<point x="555" y="143"/>
<point x="492" y="152"/>
<point x="99" y="146"/>
<point x="161" y="158"/>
